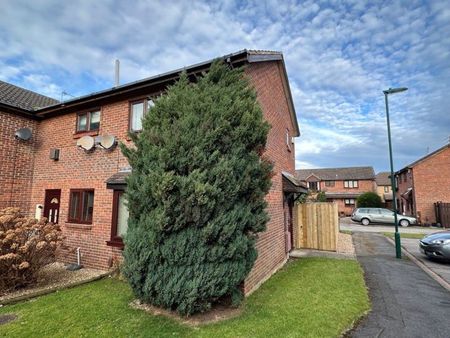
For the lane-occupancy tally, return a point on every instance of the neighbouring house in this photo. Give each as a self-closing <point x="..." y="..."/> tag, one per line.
<point x="341" y="185"/>
<point x="423" y="183"/>
<point x="384" y="188"/>
<point x="52" y="174"/>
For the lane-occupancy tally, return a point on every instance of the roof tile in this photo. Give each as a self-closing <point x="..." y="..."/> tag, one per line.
<point x="383" y="178"/>
<point x="23" y="98"/>
<point x="337" y="174"/>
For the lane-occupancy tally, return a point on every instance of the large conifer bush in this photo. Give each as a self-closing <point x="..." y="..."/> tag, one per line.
<point x="196" y="192"/>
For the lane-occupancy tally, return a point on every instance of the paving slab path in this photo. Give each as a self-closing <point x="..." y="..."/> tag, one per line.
<point x="406" y="302"/>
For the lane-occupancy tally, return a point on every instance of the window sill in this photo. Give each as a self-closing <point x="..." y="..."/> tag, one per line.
<point x="78" y="226"/>
<point x="85" y="133"/>
<point x="136" y="132"/>
<point x="116" y="244"/>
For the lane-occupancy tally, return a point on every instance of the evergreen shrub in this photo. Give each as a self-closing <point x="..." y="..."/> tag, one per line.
<point x="196" y="194"/>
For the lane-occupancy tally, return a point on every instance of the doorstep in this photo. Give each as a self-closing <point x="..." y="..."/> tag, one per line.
<point x="301" y="253"/>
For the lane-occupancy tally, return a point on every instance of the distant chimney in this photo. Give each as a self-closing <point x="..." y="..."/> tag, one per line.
<point x="116" y="77"/>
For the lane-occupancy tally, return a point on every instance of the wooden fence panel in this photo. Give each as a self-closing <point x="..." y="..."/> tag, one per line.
<point x="442" y="211"/>
<point x="316" y="226"/>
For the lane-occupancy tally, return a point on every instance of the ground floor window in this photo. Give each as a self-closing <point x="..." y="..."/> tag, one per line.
<point x="349" y="201"/>
<point x="81" y="206"/>
<point x="119" y="224"/>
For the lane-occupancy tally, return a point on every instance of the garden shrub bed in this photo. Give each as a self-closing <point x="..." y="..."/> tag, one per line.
<point x="50" y="278"/>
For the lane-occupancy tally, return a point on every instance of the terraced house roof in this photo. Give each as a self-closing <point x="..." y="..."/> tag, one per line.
<point x="337" y="174"/>
<point x="23" y="98"/>
<point x="383" y="178"/>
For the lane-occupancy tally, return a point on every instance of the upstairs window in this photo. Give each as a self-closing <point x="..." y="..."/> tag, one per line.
<point x="314" y="186"/>
<point x="137" y="111"/>
<point x="288" y="140"/>
<point x="81" y="206"/>
<point x="351" y="184"/>
<point x="88" y="121"/>
<point x="329" y="183"/>
<point x="386" y="188"/>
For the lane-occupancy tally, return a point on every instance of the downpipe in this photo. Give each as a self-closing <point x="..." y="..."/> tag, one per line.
<point x="78" y="256"/>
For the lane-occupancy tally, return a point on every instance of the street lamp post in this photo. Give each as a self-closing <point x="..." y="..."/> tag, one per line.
<point x="398" y="250"/>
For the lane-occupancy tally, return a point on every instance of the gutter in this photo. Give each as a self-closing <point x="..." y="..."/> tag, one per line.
<point x="171" y="76"/>
<point x="7" y="108"/>
<point x="141" y="84"/>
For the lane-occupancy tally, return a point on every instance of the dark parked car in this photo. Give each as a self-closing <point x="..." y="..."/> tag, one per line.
<point x="436" y="245"/>
<point x="380" y="215"/>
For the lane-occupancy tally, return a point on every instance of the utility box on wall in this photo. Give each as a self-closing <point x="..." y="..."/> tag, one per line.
<point x="54" y="154"/>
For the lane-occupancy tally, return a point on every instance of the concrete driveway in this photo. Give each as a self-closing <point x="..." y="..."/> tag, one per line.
<point x="347" y="224"/>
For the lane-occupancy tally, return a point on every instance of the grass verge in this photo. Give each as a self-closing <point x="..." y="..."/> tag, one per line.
<point x="309" y="297"/>
<point x="405" y="235"/>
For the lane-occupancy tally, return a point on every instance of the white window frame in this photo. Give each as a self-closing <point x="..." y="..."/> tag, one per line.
<point x="351" y="184"/>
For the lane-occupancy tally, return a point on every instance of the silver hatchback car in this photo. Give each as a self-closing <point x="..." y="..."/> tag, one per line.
<point x="380" y="215"/>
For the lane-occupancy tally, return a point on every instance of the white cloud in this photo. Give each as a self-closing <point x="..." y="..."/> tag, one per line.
<point x="339" y="55"/>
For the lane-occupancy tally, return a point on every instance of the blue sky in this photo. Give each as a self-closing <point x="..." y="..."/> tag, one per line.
<point x="340" y="55"/>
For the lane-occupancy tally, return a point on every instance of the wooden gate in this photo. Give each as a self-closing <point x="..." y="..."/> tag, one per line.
<point x="316" y="226"/>
<point x="442" y="213"/>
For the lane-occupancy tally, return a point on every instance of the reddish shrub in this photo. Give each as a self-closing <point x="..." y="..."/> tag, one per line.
<point x="26" y="245"/>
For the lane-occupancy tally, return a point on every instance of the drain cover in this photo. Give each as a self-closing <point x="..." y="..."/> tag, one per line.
<point x="4" y="319"/>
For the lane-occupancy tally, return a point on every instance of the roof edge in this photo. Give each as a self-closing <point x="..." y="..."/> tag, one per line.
<point x="162" y="77"/>
<point x="14" y="110"/>
<point x="250" y="56"/>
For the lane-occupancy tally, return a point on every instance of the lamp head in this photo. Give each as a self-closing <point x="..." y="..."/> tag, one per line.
<point x="395" y="90"/>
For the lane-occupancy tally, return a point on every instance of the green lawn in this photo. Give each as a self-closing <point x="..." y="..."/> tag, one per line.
<point x="405" y="235"/>
<point x="310" y="297"/>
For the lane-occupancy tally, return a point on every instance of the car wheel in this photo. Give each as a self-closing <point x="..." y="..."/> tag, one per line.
<point x="404" y="223"/>
<point x="365" y="221"/>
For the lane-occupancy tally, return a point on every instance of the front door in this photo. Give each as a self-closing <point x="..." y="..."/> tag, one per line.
<point x="288" y="226"/>
<point x="51" y="205"/>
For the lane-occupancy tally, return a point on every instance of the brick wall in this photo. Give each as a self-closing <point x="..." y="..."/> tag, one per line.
<point x="343" y="209"/>
<point x="16" y="162"/>
<point x="363" y="186"/>
<point x="381" y="192"/>
<point x="78" y="169"/>
<point x="266" y="78"/>
<point x="431" y="184"/>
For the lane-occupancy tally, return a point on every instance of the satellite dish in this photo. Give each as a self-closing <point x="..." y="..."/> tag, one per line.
<point x="108" y="142"/>
<point x="86" y="143"/>
<point x="23" y="134"/>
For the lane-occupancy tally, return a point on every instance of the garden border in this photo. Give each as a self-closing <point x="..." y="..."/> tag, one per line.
<point x="42" y="292"/>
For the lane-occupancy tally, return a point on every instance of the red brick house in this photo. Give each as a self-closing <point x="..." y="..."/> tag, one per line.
<point x="384" y="189"/>
<point x="341" y="185"/>
<point x="423" y="183"/>
<point x="82" y="190"/>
